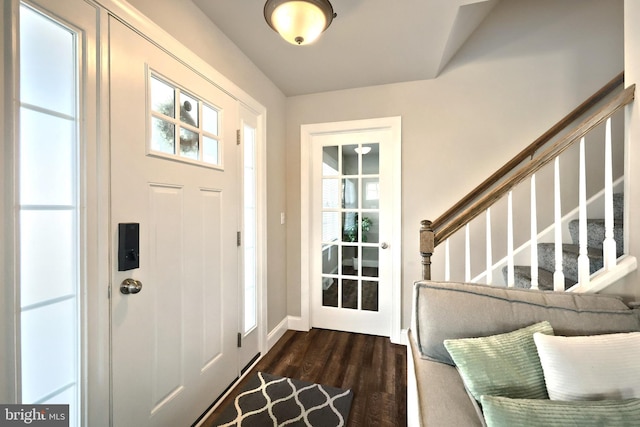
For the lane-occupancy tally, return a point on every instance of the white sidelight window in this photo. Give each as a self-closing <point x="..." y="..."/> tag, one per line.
<point x="250" y="221"/>
<point x="49" y="239"/>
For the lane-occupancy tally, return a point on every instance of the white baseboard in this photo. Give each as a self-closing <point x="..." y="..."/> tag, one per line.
<point x="296" y="323"/>
<point x="277" y="333"/>
<point x="404" y="337"/>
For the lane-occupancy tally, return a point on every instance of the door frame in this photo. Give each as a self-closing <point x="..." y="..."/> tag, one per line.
<point x="307" y="132"/>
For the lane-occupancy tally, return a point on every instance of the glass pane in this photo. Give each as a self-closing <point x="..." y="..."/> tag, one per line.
<point x="188" y="144"/>
<point x="188" y="110"/>
<point x="209" y="119"/>
<point x="162" y="136"/>
<point x="350" y="260"/>
<point x="330" y="259"/>
<point x="350" y="160"/>
<point x="370" y="296"/>
<point x="47" y="255"/>
<point x="370" y="261"/>
<point x="370" y="193"/>
<point x="47" y="159"/>
<point x="162" y="97"/>
<point x="330" y="227"/>
<point x="370" y="227"/>
<point x="331" y="193"/>
<point x="349" y="293"/>
<point x="210" y="151"/>
<point x="350" y="232"/>
<point x="48" y="349"/>
<point x="47" y="63"/>
<point x="330" y="161"/>
<point x="329" y="292"/>
<point x="250" y="233"/>
<point x="350" y="193"/>
<point x="371" y="160"/>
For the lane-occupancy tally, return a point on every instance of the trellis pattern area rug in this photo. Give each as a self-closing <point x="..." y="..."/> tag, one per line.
<point x="271" y="400"/>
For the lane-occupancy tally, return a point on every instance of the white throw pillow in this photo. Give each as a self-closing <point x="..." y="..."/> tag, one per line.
<point x="593" y="367"/>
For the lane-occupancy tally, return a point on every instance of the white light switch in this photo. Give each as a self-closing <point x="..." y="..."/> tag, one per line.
<point x="281" y="218"/>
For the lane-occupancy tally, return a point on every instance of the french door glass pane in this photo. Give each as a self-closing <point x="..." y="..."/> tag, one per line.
<point x="342" y="281"/>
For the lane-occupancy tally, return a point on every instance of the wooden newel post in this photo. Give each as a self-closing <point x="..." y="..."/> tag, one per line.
<point x="427" y="245"/>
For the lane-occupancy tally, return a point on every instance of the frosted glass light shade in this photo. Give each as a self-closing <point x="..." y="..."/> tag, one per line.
<point x="299" y="22"/>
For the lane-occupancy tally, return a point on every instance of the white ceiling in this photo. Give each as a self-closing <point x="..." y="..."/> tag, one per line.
<point x="370" y="42"/>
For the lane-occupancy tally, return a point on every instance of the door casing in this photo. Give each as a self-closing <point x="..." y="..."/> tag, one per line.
<point x="394" y="124"/>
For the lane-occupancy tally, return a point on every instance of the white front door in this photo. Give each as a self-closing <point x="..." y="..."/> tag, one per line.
<point x="352" y="219"/>
<point x="173" y="172"/>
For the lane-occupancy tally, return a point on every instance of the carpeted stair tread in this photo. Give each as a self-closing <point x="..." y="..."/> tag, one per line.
<point x="595" y="233"/>
<point x="570" y="253"/>
<point x="522" y="274"/>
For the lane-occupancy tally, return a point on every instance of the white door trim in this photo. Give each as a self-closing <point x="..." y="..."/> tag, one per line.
<point x="394" y="124"/>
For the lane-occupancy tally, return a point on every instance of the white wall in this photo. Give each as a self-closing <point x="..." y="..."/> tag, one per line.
<point x="527" y="65"/>
<point x="210" y="44"/>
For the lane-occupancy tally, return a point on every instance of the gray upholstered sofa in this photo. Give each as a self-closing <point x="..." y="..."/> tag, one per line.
<point x="436" y="394"/>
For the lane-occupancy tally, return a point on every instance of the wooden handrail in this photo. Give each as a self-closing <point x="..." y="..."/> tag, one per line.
<point x="536" y="164"/>
<point x="433" y="233"/>
<point x="529" y="151"/>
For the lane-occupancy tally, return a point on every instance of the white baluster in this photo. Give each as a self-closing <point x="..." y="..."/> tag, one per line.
<point x="609" y="244"/>
<point x="489" y="250"/>
<point x="583" y="257"/>
<point x="558" y="275"/>
<point x="511" y="277"/>
<point x="467" y="254"/>
<point x="447" y="262"/>
<point x="534" y="235"/>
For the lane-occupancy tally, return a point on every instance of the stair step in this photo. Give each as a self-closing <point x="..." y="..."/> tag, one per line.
<point x="570" y="253"/>
<point x="522" y="275"/>
<point x="618" y="206"/>
<point x="595" y="233"/>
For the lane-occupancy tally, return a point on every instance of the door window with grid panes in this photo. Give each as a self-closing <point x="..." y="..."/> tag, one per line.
<point x="182" y="125"/>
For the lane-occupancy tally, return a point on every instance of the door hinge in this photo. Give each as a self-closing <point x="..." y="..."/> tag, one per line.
<point x="239" y="340"/>
<point x="239" y="238"/>
<point x="238" y="137"/>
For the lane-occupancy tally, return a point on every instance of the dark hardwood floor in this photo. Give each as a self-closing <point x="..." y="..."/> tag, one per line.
<point x="371" y="366"/>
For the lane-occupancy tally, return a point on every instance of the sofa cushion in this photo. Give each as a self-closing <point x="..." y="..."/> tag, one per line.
<point x="501" y="365"/>
<point x="463" y="310"/>
<point x="569" y="366"/>
<point x="505" y="412"/>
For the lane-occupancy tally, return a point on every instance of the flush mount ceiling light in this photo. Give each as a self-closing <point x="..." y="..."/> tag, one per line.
<point x="363" y="150"/>
<point x="299" y="22"/>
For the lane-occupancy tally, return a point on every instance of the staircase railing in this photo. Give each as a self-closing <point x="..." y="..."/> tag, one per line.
<point x="543" y="151"/>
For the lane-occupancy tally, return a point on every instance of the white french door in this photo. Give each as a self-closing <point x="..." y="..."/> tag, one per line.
<point x="353" y="227"/>
<point x="173" y="172"/>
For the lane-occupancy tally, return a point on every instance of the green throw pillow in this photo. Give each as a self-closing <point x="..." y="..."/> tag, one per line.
<point x="505" y="412"/>
<point x="501" y="365"/>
